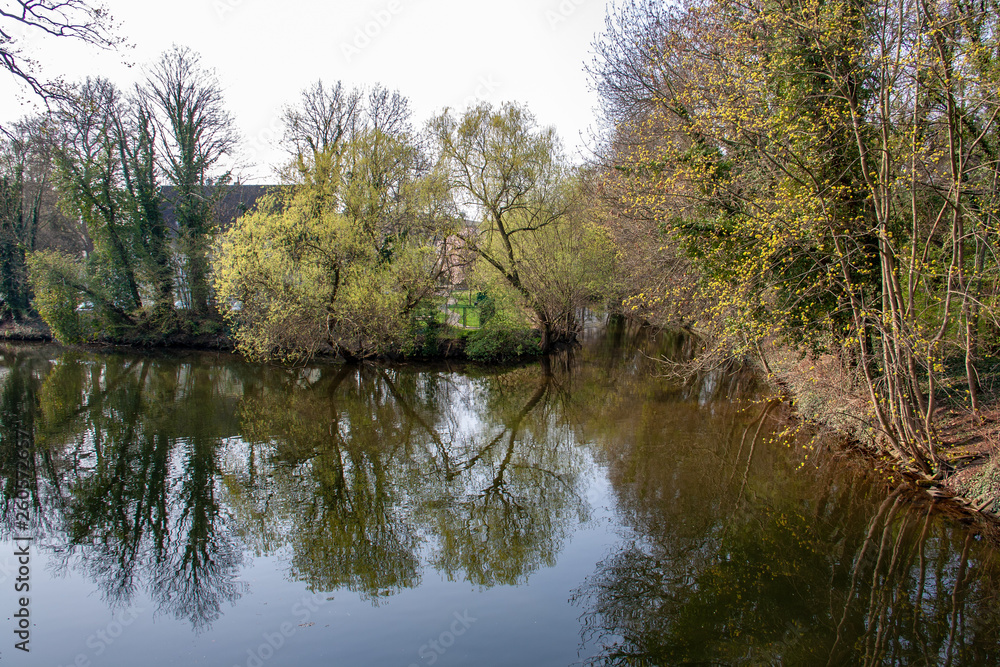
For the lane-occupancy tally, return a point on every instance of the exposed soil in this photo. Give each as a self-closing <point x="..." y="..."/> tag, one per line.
<point x="968" y="447"/>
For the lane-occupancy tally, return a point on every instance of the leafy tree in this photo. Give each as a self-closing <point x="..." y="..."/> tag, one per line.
<point x="137" y="133"/>
<point x="567" y="266"/>
<point x="825" y="171"/>
<point x="340" y="260"/>
<point x="113" y="152"/>
<point x="59" y="282"/>
<point x="513" y="176"/>
<point x="24" y="180"/>
<point x="91" y="175"/>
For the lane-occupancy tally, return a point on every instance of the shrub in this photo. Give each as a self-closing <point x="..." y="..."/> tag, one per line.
<point x="501" y="341"/>
<point x="55" y="278"/>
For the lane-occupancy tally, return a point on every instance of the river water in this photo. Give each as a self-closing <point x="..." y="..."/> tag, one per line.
<point x="196" y="509"/>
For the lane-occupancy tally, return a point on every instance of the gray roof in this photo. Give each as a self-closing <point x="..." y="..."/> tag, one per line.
<point x="235" y="201"/>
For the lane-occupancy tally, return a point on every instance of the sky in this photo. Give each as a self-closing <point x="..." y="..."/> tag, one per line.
<point x="438" y="53"/>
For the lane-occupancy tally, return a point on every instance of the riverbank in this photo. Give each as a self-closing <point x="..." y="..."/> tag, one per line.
<point x="968" y="469"/>
<point x="441" y="341"/>
<point x="206" y="334"/>
<point x="29" y="331"/>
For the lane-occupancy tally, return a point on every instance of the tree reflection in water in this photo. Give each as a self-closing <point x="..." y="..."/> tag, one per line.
<point x="164" y="477"/>
<point x="373" y="465"/>
<point x="139" y="442"/>
<point x="740" y="554"/>
<point x="161" y="473"/>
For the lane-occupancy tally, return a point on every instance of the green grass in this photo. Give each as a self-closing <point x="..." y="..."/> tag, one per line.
<point x="468" y="315"/>
<point x="463" y="302"/>
<point x="464" y="298"/>
<point x="466" y="308"/>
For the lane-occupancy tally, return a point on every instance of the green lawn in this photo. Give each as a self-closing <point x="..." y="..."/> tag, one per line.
<point x="468" y="315"/>
<point x="464" y="307"/>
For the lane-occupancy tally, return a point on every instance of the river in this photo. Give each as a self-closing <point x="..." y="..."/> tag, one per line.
<point x="196" y="509"/>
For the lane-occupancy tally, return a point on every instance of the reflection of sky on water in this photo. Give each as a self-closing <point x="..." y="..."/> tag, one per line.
<point x="580" y="509"/>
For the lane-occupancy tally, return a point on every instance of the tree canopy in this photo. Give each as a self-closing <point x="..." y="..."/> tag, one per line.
<point x="827" y="172"/>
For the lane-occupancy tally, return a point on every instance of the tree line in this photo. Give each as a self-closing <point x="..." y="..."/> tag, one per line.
<point x="108" y="161"/>
<point x="111" y="223"/>
<point x="374" y="217"/>
<point x="814" y="176"/>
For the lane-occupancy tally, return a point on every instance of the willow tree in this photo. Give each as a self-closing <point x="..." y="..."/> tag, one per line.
<point x="512" y="176"/>
<point x="339" y="261"/>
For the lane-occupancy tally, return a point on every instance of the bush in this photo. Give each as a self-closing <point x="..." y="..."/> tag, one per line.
<point x="55" y="277"/>
<point x="499" y="341"/>
<point x="487" y="308"/>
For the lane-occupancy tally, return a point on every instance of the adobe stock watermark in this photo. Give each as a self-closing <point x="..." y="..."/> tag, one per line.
<point x="365" y="34"/>
<point x="432" y="651"/>
<point x="23" y="538"/>
<point x="562" y="12"/>
<point x="301" y="611"/>
<point x="485" y="90"/>
<point x="264" y="140"/>
<point x="101" y="640"/>
<point x="224" y="7"/>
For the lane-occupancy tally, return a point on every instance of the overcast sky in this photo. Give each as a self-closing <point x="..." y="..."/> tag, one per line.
<point x="439" y="53"/>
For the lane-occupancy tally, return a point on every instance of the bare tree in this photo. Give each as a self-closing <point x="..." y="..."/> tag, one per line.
<point x="76" y="19"/>
<point x="327" y="117"/>
<point x="388" y="111"/>
<point x="196" y="134"/>
<point x="322" y="118"/>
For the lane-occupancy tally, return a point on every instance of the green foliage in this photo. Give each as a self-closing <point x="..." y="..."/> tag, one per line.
<point x="827" y="170"/>
<point x="502" y="341"/>
<point x="339" y="262"/>
<point x="487" y="308"/>
<point x="532" y="234"/>
<point x="111" y="151"/>
<point x="56" y="278"/>
<point x="23" y="174"/>
<point x="91" y="177"/>
<point x="506" y="335"/>
<point x="196" y="133"/>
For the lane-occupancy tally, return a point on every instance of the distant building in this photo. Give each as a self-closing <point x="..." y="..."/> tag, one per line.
<point x="457" y="255"/>
<point x="236" y="200"/>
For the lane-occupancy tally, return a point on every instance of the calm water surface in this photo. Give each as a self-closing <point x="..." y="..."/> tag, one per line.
<point x="201" y="510"/>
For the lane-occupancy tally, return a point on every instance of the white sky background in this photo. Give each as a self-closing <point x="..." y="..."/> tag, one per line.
<point x="438" y="53"/>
